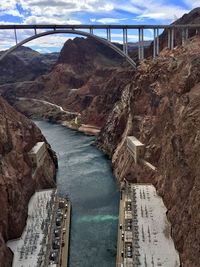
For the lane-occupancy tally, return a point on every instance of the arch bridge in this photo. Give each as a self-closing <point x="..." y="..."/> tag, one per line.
<point x="88" y="31"/>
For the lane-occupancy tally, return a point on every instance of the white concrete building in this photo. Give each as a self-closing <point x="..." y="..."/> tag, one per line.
<point x="135" y="147"/>
<point x="37" y="154"/>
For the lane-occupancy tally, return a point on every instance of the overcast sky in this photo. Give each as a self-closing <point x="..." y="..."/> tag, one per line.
<point x="86" y="12"/>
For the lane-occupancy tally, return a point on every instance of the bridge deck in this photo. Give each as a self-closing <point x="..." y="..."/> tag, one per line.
<point x="85" y="26"/>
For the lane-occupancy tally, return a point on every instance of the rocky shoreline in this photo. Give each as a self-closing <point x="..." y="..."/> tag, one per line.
<point x="39" y="109"/>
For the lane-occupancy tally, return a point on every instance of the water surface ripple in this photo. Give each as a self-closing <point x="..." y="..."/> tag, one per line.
<point x="85" y="175"/>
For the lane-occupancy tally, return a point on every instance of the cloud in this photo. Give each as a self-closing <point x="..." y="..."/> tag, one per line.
<point x="67" y="11"/>
<point x="43" y="50"/>
<point x="8" y="5"/>
<point x="12" y="12"/>
<point x="45" y="20"/>
<point x="51" y="41"/>
<point x="192" y="3"/>
<point x="64" y="7"/>
<point x="153" y="15"/>
<point x="159" y="10"/>
<point x="107" y="20"/>
<point x="41" y="44"/>
<point x="9" y="8"/>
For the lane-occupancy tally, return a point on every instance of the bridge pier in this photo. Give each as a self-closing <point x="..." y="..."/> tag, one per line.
<point x="156" y="47"/>
<point x="15" y="31"/>
<point x="157" y="43"/>
<point x="91" y="31"/>
<point x="108" y="34"/>
<point x="140" y="44"/>
<point x="125" y="42"/>
<point x="170" y="38"/>
<point x="186" y="33"/>
<point x="154" y="43"/>
<point x="183" y="36"/>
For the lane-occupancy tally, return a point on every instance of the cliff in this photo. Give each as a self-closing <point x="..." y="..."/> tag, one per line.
<point x="17" y="183"/>
<point x="25" y="64"/>
<point x="160" y="106"/>
<point x="88" y="78"/>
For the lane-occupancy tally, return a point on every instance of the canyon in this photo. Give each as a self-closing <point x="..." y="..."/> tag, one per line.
<point x="89" y="84"/>
<point x="158" y="103"/>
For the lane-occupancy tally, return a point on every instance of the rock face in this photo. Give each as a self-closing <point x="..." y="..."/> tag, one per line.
<point x="17" y="184"/>
<point x="161" y="107"/>
<point x="87" y="78"/>
<point x="25" y="64"/>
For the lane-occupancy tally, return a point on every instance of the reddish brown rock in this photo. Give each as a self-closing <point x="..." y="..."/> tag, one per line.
<point x="88" y="78"/>
<point x="17" y="136"/>
<point x="25" y="64"/>
<point x="162" y="109"/>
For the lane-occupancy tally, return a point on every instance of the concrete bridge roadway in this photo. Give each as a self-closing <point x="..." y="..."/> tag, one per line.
<point x="80" y="30"/>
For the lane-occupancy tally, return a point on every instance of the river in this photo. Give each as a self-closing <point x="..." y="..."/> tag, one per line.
<point x="85" y="175"/>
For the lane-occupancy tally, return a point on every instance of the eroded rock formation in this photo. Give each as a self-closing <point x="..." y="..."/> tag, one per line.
<point x="88" y="78"/>
<point x="25" y="64"/>
<point x="17" y="184"/>
<point x="160" y="107"/>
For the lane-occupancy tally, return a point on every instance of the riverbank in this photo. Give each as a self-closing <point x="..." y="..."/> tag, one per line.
<point x="83" y="128"/>
<point x="50" y="112"/>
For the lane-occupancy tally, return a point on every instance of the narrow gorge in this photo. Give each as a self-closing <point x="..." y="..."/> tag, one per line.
<point x="158" y="103"/>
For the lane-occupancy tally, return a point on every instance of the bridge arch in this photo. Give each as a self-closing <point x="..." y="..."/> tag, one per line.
<point x="95" y="37"/>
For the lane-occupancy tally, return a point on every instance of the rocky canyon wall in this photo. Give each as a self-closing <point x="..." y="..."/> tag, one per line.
<point x="88" y="78"/>
<point x="161" y="107"/>
<point x="17" y="184"/>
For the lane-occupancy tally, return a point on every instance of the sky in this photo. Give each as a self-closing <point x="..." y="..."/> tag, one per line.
<point x="86" y="12"/>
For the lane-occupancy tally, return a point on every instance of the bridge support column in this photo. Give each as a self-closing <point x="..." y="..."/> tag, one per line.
<point x="155" y="42"/>
<point x="168" y="38"/>
<point x="108" y="34"/>
<point x="15" y="35"/>
<point x="186" y="33"/>
<point x="91" y="30"/>
<point x="140" y="44"/>
<point x="172" y="38"/>
<point x="142" y="48"/>
<point x="182" y="36"/>
<point x="125" y="42"/>
<point x="35" y="30"/>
